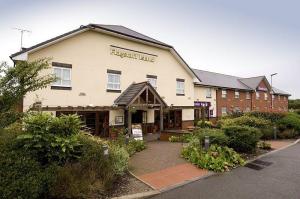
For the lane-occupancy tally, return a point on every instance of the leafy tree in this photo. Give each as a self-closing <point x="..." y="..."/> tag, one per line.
<point x="294" y="104"/>
<point x="16" y="81"/>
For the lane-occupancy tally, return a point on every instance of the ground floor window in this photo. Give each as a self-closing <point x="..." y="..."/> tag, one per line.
<point x="173" y="119"/>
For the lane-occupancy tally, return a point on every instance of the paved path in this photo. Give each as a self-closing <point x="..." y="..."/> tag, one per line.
<point x="280" y="180"/>
<point x="161" y="166"/>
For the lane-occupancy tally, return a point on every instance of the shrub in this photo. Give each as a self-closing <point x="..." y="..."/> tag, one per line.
<point x="267" y="133"/>
<point x="134" y="146"/>
<point x="51" y="139"/>
<point x="175" y="138"/>
<point x="287" y="134"/>
<point x="21" y="176"/>
<point x="290" y="121"/>
<point x="273" y="117"/>
<point x="204" y="124"/>
<point x="264" y="145"/>
<point x="216" y="158"/>
<point x="246" y="121"/>
<point x="242" y="138"/>
<point x="93" y="173"/>
<point x="216" y="136"/>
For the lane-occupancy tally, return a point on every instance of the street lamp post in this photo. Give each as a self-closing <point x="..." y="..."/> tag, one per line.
<point x="272" y="92"/>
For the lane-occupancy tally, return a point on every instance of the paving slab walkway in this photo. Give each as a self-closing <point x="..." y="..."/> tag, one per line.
<point x="161" y="166"/>
<point x="278" y="144"/>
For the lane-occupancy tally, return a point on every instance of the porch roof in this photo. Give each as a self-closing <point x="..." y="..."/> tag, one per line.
<point x="129" y="96"/>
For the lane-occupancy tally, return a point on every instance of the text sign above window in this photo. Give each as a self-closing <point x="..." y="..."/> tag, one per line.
<point x="201" y="104"/>
<point x="131" y="54"/>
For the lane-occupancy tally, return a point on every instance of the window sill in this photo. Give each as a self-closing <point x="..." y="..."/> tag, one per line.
<point x="60" y="88"/>
<point x="113" y="91"/>
<point x="177" y="94"/>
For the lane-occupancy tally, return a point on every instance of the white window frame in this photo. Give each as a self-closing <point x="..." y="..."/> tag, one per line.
<point x="180" y="87"/>
<point x="247" y="109"/>
<point x="257" y="94"/>
<point x="208" y="92"/>
<point x="60" y="78"/>
<point x="248" y="96"/>
<point x="152" y="81"/>
<point x="224" y="111"/>
<point x="266" y="96"/>
<point x="236" y="94"/>
<point x="224" y="93"/>
<point x="113" y="83"/>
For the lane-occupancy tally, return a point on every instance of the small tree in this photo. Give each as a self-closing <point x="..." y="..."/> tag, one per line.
<point x="16" y="81"/>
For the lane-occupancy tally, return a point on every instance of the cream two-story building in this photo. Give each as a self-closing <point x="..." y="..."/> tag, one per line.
<point x="115" y="77"/>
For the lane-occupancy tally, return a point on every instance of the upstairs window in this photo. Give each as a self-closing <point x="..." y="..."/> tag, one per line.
<point x="257" y="95"/>
<point x="224" y="93"/>
<point x="208" y="92"/>
<point x="273" y="97"/>
<point x="248" y="95"/>
<point x="113" y="80"/>
<point x="152" y="79"/>
<point x="236" y="94"/>
<point x="179" y="86"/>
<point x="266" y="96"/>
<point x="63" y="74"/>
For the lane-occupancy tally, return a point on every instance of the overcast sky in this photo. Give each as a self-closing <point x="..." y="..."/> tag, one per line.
<point x="237" y="37"/>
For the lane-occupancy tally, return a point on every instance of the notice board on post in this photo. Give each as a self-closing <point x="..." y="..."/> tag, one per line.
<point x="137" y="132"/>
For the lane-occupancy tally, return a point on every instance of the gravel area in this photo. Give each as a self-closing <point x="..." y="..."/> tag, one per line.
<point x="125" y="185"/>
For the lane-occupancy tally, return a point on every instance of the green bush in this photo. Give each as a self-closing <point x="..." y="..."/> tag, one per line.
<point x="287" y="134"/>
<point x="175" y="138"/>
<point x="93" y="173"/>
<point x="216" y="136"/>
<point x="134" y="146"/>
<point x="267" y="133"/>
<point x="242" y="138"/>
<point x="216" y="158"/>
<point x="246" y="120"/>
<point x="51" y="139"/>
<point x="290" y="121"/>
<point x="204" y="124"/>
<point x="273" y="117"/>
<point x="264" y="145"/>
<point x="21" y="176"/>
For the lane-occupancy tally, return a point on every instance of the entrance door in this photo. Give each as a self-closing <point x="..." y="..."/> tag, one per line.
<point x="140" y="117"/>
<point x="173" y="119"/>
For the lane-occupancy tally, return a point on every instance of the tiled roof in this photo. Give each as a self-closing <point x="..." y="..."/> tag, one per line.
<point x="126" y="31"/>
<point x="278" y="91"/>
<point x="229" y="81"/>
<point x="219" y="80"/>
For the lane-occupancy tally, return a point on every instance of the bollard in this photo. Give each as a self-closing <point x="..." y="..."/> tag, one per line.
<point x="275" y="132"/>
<point x="206" y="142"/>
<point x="105" y="150"/>
<point x="127" y="139"/>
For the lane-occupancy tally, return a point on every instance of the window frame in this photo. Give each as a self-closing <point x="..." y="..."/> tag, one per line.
<point x="113" y="89"/>
<point x="236" y="94"/>
<point x="208" y="93"/>
<point x="266" y="96"/>
<point x="61" y="85"/>
<point x="222" y="112"/>
<point x="224" y="93"/>
<point x="152" y="77"/>
<point x="248" y="96"/>
<point x="257" y="95"/>
<point x="180" y="91"/>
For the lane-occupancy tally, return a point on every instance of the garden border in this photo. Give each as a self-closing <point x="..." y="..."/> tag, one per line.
<point x="210" y="173"/>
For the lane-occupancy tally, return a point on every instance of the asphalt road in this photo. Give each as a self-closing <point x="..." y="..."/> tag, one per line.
<point x="279" y="180"/>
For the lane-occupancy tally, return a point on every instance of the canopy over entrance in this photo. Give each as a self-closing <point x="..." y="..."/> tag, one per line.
<point x="140" y="96"/>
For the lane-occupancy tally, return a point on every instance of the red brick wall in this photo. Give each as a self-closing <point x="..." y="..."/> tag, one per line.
<point x="280" y="105"/>
<point x="261" y="104"/>
<point x="230" y="102"/>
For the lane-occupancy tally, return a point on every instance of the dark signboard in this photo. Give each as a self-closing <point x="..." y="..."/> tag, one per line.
<point x="201" y="104"/>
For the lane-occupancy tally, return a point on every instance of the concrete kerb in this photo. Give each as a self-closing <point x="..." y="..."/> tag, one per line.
<point x="275" y="151"/>
<point x="156" y="192"/>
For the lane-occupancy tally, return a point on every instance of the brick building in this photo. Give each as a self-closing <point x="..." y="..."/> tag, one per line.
<point x="234" y="94"/>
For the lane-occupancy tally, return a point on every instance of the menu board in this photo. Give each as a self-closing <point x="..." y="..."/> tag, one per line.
<point x="137" y="132"/>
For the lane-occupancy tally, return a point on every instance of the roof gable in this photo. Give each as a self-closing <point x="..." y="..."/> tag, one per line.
<point x="134" y="91"/>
